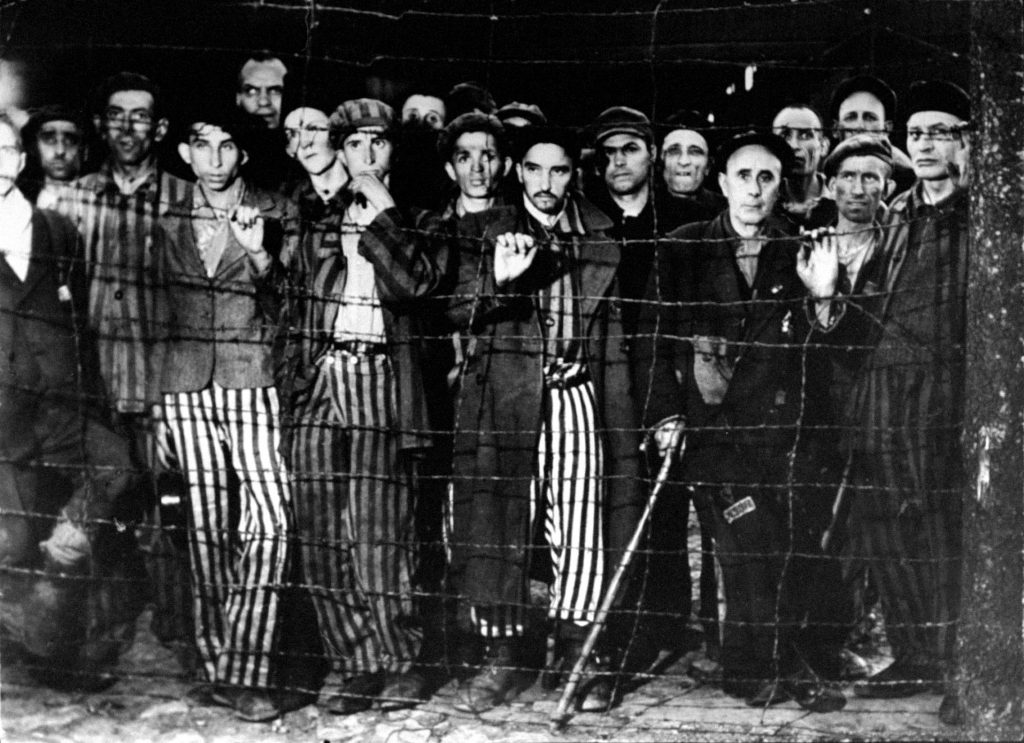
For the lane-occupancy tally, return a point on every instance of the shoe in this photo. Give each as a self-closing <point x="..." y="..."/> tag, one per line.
<point x="840" y="664"/>
<point x="404" y="690"/>
<point x="208" y="695"/>
<point x="357" y="694"/>
<point x="814" y="695"/>
<point x="951" y="711"/>
<point x="806" y="689"/>
<point x="254" y="705"/>
<point x="498" y="682"/>
<point x="896" y="681"/>
<point x="595" y="690"/>
<point x="770" y="693"/>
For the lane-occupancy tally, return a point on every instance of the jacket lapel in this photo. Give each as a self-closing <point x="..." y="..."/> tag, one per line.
<point x="42" y="258"/>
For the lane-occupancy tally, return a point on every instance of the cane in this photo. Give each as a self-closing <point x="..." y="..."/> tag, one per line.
<point x="562" y="713"/>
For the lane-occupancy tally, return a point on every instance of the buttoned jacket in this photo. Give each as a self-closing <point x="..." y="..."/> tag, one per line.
<point x="221" y="328"/>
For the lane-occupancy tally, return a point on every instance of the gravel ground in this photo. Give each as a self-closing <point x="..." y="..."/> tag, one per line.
<point x="148" y="703"/>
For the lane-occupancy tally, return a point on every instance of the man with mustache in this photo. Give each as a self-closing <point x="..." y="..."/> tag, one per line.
<point x="545" y="479"/>
<point x="57" y="456"/>
<point x="55" y="152"/>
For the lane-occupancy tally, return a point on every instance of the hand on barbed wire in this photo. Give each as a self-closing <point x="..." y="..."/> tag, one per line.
<point x="67" y="545"/>
<point x="817" y="262"/>
<point x="247" y="226"/>
<point x="513" y="254"/>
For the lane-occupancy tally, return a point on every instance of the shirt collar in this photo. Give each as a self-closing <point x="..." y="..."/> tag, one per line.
<point x="107" y="180"/>
<point x="15" y="210"/>
<point x="568" y="221"/>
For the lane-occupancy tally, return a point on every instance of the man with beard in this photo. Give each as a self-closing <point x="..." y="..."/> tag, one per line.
<point x="55" y="152"/>
<point x="545" y="465"/>
<point x="52" y="437"/>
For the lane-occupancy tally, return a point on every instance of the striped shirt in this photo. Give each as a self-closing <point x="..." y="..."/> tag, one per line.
<point x="912" y="386"/>
<point x="117" y="232"/>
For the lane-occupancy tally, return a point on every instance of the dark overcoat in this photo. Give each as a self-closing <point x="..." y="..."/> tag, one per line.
<point x="500" y="407"/>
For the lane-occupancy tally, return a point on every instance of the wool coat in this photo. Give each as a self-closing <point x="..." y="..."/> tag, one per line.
<point x="500" y="408"/>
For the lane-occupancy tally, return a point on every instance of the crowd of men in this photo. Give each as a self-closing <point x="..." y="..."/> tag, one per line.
<point x="417" y="369"/>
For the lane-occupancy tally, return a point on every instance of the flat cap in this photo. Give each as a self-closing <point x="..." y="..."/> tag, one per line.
<point x="529" y="111"/>
<point x="621" y="120"/>
<point x="938" y="95"/>
<point x="866" y="84"/>
<point x="360" y="113"/>
<point x="859" y="145"/>
<point x="474" y="121"/>
<point x="771" y="142"/>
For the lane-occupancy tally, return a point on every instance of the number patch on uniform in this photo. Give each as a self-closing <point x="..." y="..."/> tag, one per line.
<point x="739" y="508"/>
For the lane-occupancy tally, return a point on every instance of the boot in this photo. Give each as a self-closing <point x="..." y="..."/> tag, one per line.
<point x="500" y="679"/>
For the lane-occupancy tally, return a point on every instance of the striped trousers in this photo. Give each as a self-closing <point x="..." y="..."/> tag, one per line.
<point x="568" y="494"/>
<point x="238" y="537"/>
<point x="354" y="507"/>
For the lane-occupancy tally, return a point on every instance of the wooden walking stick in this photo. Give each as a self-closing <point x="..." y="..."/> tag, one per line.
<point x="563" y="712"/>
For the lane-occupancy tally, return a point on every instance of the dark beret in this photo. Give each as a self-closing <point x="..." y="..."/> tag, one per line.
<point x="771" y="142"/>
<point x="858" y="145"/>
<point x="474" y="121"/>
<point x="938" y="95"/>
<point x="867" y="84"/>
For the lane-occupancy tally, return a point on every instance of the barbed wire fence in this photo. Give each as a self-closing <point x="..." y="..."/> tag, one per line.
<point x="805" y="462"/>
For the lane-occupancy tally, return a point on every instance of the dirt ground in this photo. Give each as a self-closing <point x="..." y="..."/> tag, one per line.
<point x="147" y="703"/>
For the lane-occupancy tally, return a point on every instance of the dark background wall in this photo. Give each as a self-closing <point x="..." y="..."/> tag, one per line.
<point x="572" y="58"/>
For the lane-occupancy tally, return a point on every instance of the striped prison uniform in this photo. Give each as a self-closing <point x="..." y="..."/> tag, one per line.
<point x="907" y="472"/>
<point x="567" y="491"/>
<point x="237" y="535"/>
<point x="355" y="417"/>
<point x="568" y="494"/>
<point x="354" y="509"/>
<point x="118" y="233"/>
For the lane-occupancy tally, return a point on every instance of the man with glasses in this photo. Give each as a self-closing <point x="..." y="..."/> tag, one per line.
<point x="54" y="152"/>
<point x="907" y="412"/>
<point x="116" y="211"/>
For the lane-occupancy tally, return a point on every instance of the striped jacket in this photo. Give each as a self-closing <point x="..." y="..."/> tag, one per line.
<point x="118" y="235"/>
<point x="401" y="245"/>
<point x="910" y="322"/>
